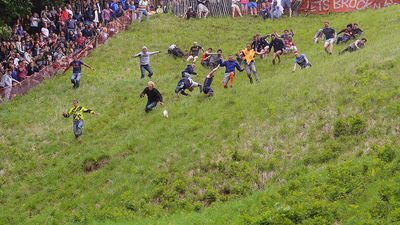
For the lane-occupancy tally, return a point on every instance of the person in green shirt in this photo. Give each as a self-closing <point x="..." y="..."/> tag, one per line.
<point x="77" y="112"/>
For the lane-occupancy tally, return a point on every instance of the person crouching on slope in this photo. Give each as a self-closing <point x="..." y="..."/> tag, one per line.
<point x="153" y="96"/>
<point x="144" y="56"/>
<point x="207" y="82"/>
<point x="186" y="83"/>
<point x="301" y="60"/>
<point x="248" y="55"/>
<point x="230" y="66"/>
<point x="77" y="112"/>
<point x="76" y="71"/>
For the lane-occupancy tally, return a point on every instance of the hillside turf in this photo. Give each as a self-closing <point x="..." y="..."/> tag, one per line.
<point x="318" y="146"/>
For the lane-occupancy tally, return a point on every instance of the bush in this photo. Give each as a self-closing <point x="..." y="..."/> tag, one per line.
<point x="385" y="153"/>
<point x="353" y="125"/>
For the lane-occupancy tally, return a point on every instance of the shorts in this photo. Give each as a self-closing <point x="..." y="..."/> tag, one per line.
<point x="287" y="3"/>
<point x="252" y="5"/>
<point x="330" y="41"/>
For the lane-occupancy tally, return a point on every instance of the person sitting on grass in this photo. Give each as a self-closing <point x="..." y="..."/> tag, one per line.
<point x="278" y="46"/>
<point x="77" y="112"/>
<point x="153" y="96"/>
<point x="189" y="71"/>
<point x="215" y="59"/>
<point x="301" y="60"/>
<point x="144" y="56"/>
<point x="207" y="83"/>
<point x="230" y="66"/>
<point x="186" y="83"/>
<point x="358" y="44"/>
<point x="347" y="34"/>
<point x="194" y="52"/>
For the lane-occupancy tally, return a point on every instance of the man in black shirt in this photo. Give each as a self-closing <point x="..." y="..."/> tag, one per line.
<point x="278" y="46"/>
<point x="153" y="96"/>
<point x="330" y="36"/>
<point x="194" y="52"/>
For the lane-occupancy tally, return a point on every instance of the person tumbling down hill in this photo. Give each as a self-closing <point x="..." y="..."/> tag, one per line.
<point x="186" y="83"/>
<point x="144" y="56"/>
<point x="194" y="52"/>
<point x="207" y="83"/>
<point x="230" y="66"/>
<point x="189" y="71"/>
<point x="77" y="112"/>
<point x="301" y="60"/>
<point x="354" y="46"/>
<point x="153" y="96"/>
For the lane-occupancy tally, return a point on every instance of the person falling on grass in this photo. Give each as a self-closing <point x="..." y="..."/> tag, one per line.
<point x="77" y="71"/>
<point x="144" y="56"/>
<point x="354" y="46"/>
<point x="207" y="83"/>
<point x="230" y="66"/>
<point x="153" y="96"/>
<point x="248" y="55"/>
<point x="301" y="60"/>
<point x="77" y="112"/>
<point x="189" y="71"/>
<point x="186" y="83"/>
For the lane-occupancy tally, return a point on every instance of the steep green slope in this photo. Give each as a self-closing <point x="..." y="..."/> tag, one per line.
<point x="316" y="147"/>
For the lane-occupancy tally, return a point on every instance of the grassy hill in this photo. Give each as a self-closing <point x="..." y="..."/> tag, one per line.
<point x="319" y="146"/>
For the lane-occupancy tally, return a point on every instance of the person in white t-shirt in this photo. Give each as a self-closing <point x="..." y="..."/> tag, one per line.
<point x="45" y="31"/>
<point x="236" y="8"/>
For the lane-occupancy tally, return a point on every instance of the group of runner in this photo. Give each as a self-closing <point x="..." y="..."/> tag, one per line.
<point x="261" y="46"/>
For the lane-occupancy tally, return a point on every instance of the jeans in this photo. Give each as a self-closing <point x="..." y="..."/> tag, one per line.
<point x="76" y="79"/>
<point x="141" y="12"/>
<point x="251" y="68"/>
<point x="150" y="106"/>
<point x="77" y="127"/>
<point x="143" y="69"/>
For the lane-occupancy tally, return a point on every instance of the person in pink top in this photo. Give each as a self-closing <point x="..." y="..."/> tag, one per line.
<point x="244" y="3"/>
<point x="21" y="71"/>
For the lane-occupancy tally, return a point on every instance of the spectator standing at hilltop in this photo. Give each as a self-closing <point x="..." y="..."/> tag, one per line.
<point x="278" y="46"/>
<point x="144" y="7"/>
<point x="235" y="8"/>
<point x="106" y="14"/>
<point x="202" y="10"/>
<point x="244" y="3"/>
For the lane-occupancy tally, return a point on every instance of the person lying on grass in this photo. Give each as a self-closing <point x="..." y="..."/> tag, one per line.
<point x="77" y="112"/>
<point x="301" y="60"/>
<point x="207" y="82"/>
<point x="230" y="66"/>
<point x="358" y="44"/>
<point x="153" y="96"/>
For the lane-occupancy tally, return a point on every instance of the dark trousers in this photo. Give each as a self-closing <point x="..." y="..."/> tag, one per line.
<point x="150" y="106"/>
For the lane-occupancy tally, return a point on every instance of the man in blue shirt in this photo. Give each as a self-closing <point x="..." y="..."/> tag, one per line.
<point x="230" y="66"/>
<point x="330" y="36"/>
<point x="301" y="60"/>
<point x="76" y="71"/>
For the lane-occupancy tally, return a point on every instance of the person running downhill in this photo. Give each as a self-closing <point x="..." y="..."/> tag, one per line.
<point x="153" y="96"/>
<point x="144" y="56"/>
<point x="278" y="48"/>
<point x="358" y="44"/>
<point x="207" y="83"/>
<point x="248" y="55"/>
<point x="77" y="112"/>
<point x="194" y="52"/>
<point x="230" y="66"/>
<point x="301" y="60"/>
<point x="330" y="36"/>
<point x="76" y="71"/>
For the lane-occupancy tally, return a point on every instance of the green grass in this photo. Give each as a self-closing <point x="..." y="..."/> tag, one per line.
<point x="317" y="146"/>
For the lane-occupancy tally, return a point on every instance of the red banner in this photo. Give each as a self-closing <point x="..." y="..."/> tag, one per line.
<point x="327" y="6"/>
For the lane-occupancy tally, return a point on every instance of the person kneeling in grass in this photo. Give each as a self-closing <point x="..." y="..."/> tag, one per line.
<point x="301" y="60"/>
<point x="77" y="112"/>
<point x="354" y="46"/>
<point x="153" y="96"/>
<point x="207" y="82"/>
<point x="230" y="66"/>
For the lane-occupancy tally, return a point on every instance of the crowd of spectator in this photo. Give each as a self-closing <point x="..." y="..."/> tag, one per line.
<point x="40" y="39"/>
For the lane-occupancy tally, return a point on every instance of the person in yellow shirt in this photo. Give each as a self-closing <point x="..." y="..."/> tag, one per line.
<point x="248" y="55"/>
<point x="77" y="111"/>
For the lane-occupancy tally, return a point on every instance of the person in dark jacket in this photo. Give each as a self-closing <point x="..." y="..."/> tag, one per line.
<point x="207" y="83"/>
<point x="278" y="46"/>
<point x="189" y="71"/>
<point x="153" y="96"/>
<point x="186" y="83"/>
